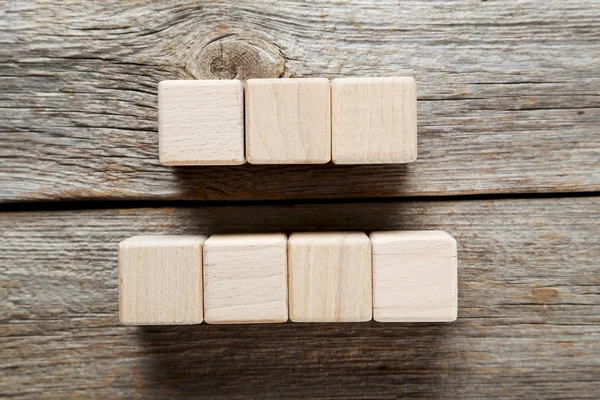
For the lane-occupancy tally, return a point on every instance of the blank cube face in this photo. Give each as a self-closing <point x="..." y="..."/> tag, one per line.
<point x="374" y="120"/>
<point x="201" y="122"/>
<point x="245" y="279"/>
<point x="160" y="280"/>
<point x="414" y="276"/>
<point x="288" y="121"/>
<point x="330" y="277"/>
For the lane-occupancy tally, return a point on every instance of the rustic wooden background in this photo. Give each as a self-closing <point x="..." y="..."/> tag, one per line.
<point x="509" y="163"/>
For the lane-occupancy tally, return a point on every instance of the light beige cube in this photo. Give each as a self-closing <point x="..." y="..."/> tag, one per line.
<point x="330" y="277"/>
<point x="374" y="120"/>
<point x="160" y="280"/>
<point x="201" y="122"/>
<point x="414" y="276"/>
<point x="245" y="279"/>
<point x="288" y="121"/>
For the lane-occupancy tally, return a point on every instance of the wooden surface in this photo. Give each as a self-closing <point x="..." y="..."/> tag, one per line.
<point x="528" y="326"/>
<point x="245" y="279"/>
<point x="201" y="122"/>
<point x="330" y="277"/>
<point x="508" y="93"/>
<point x="288" y="121"/>
<point x="414" y="276"/>
<point x="374" y="120"/>
<point x="160" y="280"/>
<point x="508" y="112"/>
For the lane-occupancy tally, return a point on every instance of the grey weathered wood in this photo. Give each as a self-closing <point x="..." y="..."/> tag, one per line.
<point x="528" y="327"/>
<point x="508" y="93"/>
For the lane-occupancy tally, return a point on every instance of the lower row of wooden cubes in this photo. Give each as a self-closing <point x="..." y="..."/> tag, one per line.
<point x="393" y="276"/>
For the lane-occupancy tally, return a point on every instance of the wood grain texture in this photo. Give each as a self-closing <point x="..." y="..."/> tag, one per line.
<point x="201" y="122"/>
<point x="160" y="280"/>
<point x="414" y="276"/>
<point x="529" y="295"/>
<point x="508" y="93"/>
<point x="245" y="279"/>
<point x="288" y="121"/>
<point x="374" y="120"/>
<point x="330" y="277"/>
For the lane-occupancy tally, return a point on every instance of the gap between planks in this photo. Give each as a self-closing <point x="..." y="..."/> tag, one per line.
<point x="108" y="204"/>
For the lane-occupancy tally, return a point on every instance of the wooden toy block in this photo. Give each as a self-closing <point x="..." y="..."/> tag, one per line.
<point x="245" y="279"/>
<point x="288" y="121"/>
<point x="374" y="120"/>
<point x="414" y="276"/>
<point x="160" y="280"/>
<point x="330" y="277"/>
<point x="201" y="122"/>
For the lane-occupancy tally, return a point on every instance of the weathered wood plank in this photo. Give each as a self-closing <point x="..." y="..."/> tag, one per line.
<point x="508" y="93"/>
<point x="528" y="327"/>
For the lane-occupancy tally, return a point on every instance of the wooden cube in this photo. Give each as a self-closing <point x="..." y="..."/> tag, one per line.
<point x="245" y="279"/>
<point x="201" y="122"/>
<point x="330" y="277"/>
<point x="414" y="276"/>
<point x="160" y="280"/>
<point x="288" y="121"/>
<point x="374" y="120"/>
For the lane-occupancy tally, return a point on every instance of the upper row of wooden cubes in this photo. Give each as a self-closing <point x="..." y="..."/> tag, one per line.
<point x="288" y="121"/>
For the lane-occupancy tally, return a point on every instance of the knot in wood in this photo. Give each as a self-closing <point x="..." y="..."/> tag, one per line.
<point x="236" y="57"/>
